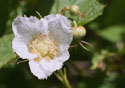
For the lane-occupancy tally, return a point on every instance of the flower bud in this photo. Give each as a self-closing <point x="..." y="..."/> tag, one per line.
<point x="78" y="32"/>
<point x="74" y="10"/>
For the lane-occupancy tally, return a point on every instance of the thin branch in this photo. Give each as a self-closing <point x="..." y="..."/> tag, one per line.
<point x="15" y="59"/>
<point x="22" y="61"/>
<point x="38" y="14"/>
<point x="83" y="46"/>
<point x="87" y="43"/>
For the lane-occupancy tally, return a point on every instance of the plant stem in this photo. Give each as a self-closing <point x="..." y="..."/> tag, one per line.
<point x="66" y="83"/>
<point x="63" y="78"/>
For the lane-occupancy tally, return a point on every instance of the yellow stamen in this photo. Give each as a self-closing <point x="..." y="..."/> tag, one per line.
<point x="45" y="47"/>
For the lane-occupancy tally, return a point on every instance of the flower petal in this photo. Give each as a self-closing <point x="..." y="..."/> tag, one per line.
<point x="60" y="29"/>
<point x="43" y="26"/>
<point x="56" y="63"/>
<point x="21" y="49"/>
<point x="38" y="70"/>
<point x="63" y="54"/>
<point x="24" y="26"/>
<point x="51" y="66"/>
<point x="25" y="29"/>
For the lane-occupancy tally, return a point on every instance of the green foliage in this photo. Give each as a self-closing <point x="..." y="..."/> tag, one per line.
<point x="114" y="12"/>
<point x="113" y="34"/>
<point x="110" y="81"/>
<point x="5" y="9"/>
<point x="6" y="53"/>
<point x="81" y="85"/>
<point x="98" y="57"/>
<point x="91" y="9"/>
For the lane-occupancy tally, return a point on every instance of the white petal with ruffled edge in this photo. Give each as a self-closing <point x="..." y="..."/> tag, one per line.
<point x="60" y="28"/>
<point x="38" y="70"/>
<point x="24" y="26"/>
<point x="21" y="49"/>
<point x="25" y="29"/>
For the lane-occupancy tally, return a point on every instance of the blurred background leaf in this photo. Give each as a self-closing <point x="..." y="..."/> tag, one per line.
<point x="5" y="9"/>
<point x="113" y="34"/>
<point x="99" y="57"/>
<point x="6" y="53"/>
<point x="110" y="81"/>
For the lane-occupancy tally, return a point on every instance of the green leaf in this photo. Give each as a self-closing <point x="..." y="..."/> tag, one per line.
<point x="91" y="8"/>
<point x="110" y="81"/>
<point x="113" y="14"/>
<point x="112" y="34"/>
<point x="6" y="8"/>
<point x="99" y="56"/>
<point x="6" y="53"/>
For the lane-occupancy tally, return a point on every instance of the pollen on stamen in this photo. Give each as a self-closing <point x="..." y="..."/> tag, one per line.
<point x="43" y="46"/>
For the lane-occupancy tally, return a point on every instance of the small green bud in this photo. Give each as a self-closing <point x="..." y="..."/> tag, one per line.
<point x="78" y="32"/>
<point x="74" y="10"/>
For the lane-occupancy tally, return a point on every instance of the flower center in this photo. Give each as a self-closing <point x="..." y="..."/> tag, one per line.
<point x="45" y="47"/>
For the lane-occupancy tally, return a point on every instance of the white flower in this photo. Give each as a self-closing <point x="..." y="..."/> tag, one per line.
<point x="43" y="42"/>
